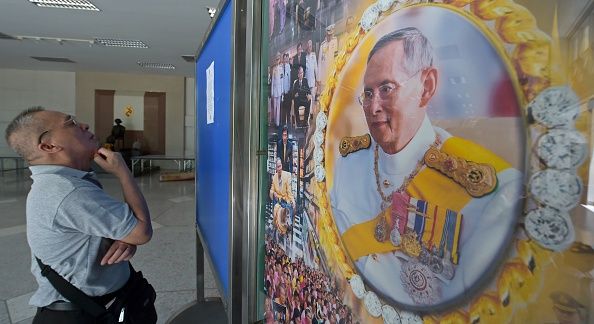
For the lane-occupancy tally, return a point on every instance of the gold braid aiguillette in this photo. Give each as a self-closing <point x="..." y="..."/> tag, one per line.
<point x="350" y="144"/>
<point x="478" y="179"/>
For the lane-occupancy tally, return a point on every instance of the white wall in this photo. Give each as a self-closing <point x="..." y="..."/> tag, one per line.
<point x="21" y="89"/>
<point x="173" y="86"/>
<point x="74" y="93"/>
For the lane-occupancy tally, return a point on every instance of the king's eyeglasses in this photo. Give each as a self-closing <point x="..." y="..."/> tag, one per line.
<point x="385" y="92"/>
<point x="71" y="121"/>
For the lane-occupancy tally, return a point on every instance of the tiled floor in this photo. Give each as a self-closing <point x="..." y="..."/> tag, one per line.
<point x="168" y="260"/>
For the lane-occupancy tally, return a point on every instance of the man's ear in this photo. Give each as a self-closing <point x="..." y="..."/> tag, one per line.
<point x="49" y="148"/>
<point x="429" y="86"/>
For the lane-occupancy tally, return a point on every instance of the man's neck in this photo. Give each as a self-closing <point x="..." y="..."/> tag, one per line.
<point x="82" y="165"/>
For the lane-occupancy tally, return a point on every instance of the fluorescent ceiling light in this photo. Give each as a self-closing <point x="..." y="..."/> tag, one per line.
<point x="66" y="4"/>
<point x="162" y="66"/>
<point x="120" y="43"/>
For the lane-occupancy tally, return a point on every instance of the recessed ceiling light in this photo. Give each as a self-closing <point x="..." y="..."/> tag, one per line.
<point x="189" y="58"/>
<point x="163" y="66"/>
<point x="120" y="42"/>
<point x="52" y="59"/>
<point x="66" y="4"/>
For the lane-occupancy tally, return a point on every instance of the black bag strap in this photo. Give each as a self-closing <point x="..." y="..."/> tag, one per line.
<point x="68" y="290"/>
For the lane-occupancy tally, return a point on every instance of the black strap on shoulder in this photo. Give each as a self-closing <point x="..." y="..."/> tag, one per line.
<point x="67" y="290"/>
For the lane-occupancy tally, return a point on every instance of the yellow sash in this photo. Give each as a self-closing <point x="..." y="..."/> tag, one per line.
<point x="429" y="185"/>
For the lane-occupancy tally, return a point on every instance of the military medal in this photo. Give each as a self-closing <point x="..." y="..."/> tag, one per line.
<point x="550" y="228"/>
<point x="555" y="107"/>
<point x="395" y="237"/>
<point x="381" y="229"/>
<point x="435" y="264"/>
<point x="448" y="267"/>
<point x="411" y="245"/>
<point x="420" y="283"/>
<point x="373" y="304"/>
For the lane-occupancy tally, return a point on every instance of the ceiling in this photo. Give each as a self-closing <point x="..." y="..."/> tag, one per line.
<point x="171" y="28"/>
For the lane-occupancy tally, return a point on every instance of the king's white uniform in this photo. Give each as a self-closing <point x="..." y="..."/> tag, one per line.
<point x="487" y="222"/>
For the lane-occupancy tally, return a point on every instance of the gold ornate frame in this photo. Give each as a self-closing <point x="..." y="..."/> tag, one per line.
<point x="529" y="55"/>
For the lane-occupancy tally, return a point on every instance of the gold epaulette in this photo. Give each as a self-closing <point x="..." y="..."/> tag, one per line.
<point x="478" y="179"/>
<point x="352" y="144"/>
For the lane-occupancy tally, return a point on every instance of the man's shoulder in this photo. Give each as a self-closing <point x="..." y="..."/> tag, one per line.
<point x="356" y="163"/>
<point x="471" y="151"/>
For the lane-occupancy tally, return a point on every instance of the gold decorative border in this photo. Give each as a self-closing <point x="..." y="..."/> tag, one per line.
<point x="527" y="53"/>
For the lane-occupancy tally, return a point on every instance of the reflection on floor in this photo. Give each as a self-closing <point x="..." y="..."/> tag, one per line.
<point x="168" y="261"/>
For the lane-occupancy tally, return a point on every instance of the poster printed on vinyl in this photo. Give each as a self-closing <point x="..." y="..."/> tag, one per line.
<point x="423" y="164"/>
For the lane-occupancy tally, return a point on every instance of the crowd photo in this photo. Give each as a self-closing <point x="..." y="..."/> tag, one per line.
<point x="303" y="41"/>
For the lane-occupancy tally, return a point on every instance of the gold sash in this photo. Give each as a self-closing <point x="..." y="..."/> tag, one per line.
<point x="429" y="185"/>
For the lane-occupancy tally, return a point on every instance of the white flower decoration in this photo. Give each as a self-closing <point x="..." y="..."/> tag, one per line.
<point x="369" y="17"/>
<point x="318" y="155"/>
<point x="357" y="286"/>
<point x="555" y="188"/>
<point x="555" y="107"/>
<point x="390" y="315"/>
<point x="384" y="5"/>
<point x="318" y="138"/>
<point x="373" y="304"/>
<point x="410" y="318"/>
<point x="562" y="149"/>
<point x="321" y="121"/>
<point x="320" y="173"/>
<point x="551" y="228"/>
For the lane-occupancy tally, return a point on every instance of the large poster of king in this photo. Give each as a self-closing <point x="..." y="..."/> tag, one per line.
<point x="416" y="133"/>
<point x="424" y="214"/>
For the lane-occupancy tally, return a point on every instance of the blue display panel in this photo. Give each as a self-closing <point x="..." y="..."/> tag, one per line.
<point x="213" y="138"/>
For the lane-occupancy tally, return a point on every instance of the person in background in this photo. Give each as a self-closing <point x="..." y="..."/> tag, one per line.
<point x="311" y="75"/>
<point x="118" y="131"/>
<point x="284" y="150"/>
<point x="301" y="100"/>
<point x="327" y="54"/>
<point x="277" y="90"/>
<point x="286" y="98"/>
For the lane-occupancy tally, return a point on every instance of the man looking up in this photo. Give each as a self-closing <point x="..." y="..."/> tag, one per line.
<point x="73" y="226"/>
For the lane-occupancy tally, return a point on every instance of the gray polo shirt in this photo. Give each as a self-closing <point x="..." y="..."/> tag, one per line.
<point x="68" y="222"/>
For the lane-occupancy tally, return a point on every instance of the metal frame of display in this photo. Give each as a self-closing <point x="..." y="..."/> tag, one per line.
<point x="245" y="160"/>
<point x="240" y="303"/>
